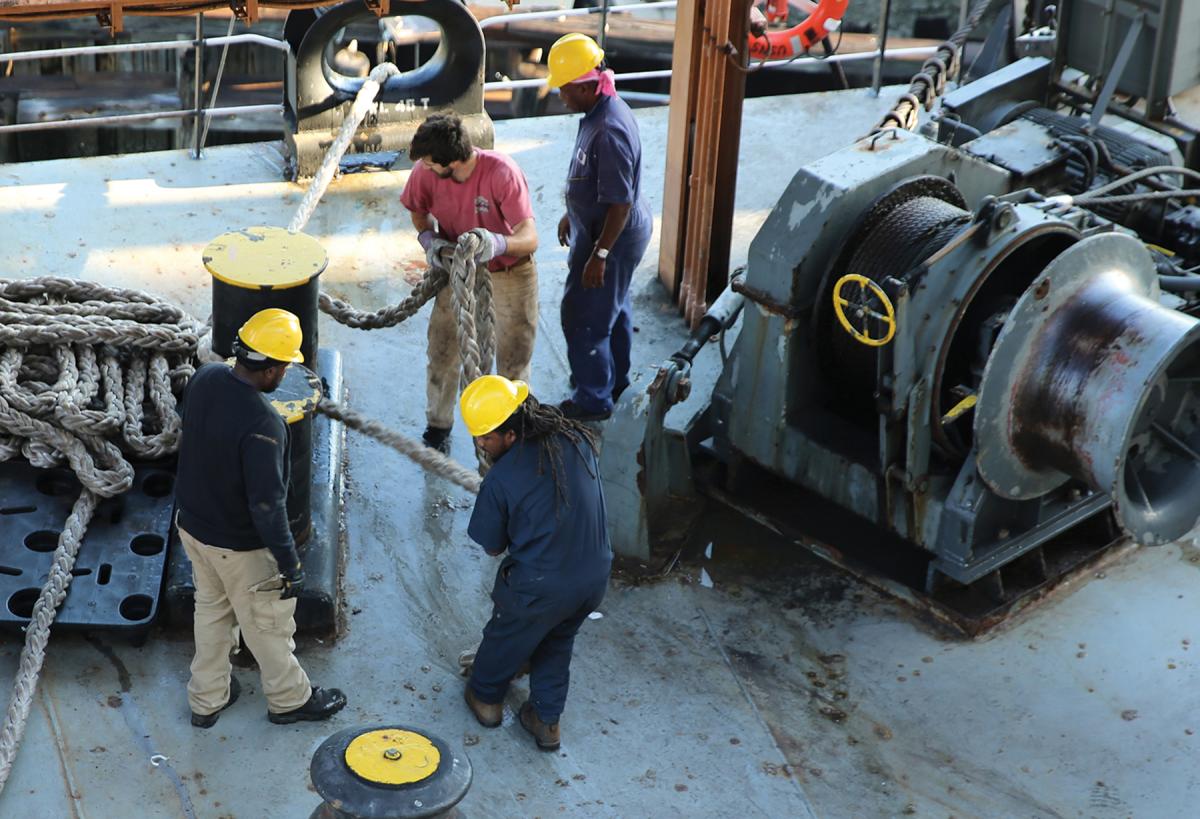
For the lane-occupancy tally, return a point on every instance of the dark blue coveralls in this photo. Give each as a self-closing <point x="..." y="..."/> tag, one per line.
<point x="554" y="575"/>
<point x="606" y="169"/>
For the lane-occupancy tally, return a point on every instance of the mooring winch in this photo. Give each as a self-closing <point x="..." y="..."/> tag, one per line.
<point x="976" y="340"/>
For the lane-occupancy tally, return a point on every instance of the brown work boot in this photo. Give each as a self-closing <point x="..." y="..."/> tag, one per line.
<point x="545" y="735"/>
<point x="489" y="715"/>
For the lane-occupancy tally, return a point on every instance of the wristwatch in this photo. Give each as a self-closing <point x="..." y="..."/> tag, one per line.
<point x="601" y="252"/>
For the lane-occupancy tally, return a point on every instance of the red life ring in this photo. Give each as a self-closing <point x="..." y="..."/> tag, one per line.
<point x="787" y="43"/>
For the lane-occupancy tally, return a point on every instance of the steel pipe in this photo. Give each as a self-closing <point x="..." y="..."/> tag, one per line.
<point x="129" y="48"/>
<point x="124" y="119"/>
<point x="516" y="17"/>
<point x="919" y="51"/>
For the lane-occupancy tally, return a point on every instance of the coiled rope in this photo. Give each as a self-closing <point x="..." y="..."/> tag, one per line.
<point x="79" y="365"/>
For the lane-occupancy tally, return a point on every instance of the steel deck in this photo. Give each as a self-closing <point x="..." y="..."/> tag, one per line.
<point x="784" y="689"/>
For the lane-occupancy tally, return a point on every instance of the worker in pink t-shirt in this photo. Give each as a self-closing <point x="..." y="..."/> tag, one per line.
<point x="455" y="188"/>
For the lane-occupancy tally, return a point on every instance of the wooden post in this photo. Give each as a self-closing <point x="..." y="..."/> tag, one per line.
<point x="703" y="135"/>
<point x="684" y="71"/>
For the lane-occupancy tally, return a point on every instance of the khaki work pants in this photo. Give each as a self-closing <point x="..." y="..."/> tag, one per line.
<point x="242" y="589"/>
<point x="515" y="296"/>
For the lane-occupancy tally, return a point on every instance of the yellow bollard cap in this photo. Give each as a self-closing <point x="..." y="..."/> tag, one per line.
<point x="270" y="258"/>
<point x="392" y="757"/>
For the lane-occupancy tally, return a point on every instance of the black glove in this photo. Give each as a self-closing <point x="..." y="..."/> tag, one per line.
<point x="292" y="581"/>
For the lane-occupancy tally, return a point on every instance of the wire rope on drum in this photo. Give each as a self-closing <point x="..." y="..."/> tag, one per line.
<point x="893" y="244"/>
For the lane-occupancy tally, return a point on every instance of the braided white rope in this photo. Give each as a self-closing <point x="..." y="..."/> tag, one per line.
<point x="79" y="363"/>
<point x="471" y="283"/>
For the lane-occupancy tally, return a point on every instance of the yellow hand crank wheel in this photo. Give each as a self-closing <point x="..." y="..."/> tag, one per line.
<point x="866" y="301"/>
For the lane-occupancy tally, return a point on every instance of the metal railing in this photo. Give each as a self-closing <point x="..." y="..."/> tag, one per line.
<point x="909" y="53"/>
<point x="200" y="112"/>
<point x="197" y="110"/>
<point x="562" y="14"/>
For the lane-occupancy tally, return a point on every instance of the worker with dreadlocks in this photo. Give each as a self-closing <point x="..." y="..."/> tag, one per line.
<point x="231" y="491"/>
<point x="542" y="502"/>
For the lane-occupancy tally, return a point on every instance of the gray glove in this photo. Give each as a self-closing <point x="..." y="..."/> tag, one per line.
<point x="433" y="253"/>
<point x="491" y="245"/>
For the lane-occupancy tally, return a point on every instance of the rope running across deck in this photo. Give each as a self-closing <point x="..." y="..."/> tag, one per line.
<point x="80" y="364"/>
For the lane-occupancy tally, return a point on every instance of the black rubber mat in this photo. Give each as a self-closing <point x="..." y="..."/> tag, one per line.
<point x="119" y="570"/>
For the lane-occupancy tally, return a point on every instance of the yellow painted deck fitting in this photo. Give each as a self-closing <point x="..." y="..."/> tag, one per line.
<point x="267" y="258"/>
<point x="392" y="757"/>
<point x="298" y="395"/>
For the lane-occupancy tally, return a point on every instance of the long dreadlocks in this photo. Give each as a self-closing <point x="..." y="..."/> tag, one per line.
<point x="546" y="426"/>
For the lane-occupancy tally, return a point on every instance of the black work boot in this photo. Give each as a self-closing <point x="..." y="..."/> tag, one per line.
<point x="488" y="714"/>
<point x="437" y="438"/>
<point x="209" y="720"/>
<point x="323" y="704"/>
<point x="545" y="735"/>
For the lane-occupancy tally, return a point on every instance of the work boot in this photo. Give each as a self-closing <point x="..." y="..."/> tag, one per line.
<point x="570" y="409"/>
<point x="545" y="735"/>
<point x="323" y="704"/>
<point x="437" y="438"/>
<point x="489" y="715"/>
<point x="209" y="720"/>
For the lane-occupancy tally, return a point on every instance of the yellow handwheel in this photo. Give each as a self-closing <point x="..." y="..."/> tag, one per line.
<point x="860" y="307"/>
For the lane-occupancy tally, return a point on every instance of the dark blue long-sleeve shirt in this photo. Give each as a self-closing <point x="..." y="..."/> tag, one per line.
<point x="232" y="481"/>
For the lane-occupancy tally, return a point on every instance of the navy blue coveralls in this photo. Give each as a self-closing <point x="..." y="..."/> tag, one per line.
<point x="606" y="169"/>
<point x="554" y="575"/>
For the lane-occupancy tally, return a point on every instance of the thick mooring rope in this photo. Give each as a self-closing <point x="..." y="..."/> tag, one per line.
<point x="79" y="363"/>
<point x="430" y="459"/>
<point x="471" y="282"/>
<point x="475" y="322"/>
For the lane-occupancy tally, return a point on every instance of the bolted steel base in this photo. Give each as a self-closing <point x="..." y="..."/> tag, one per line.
<point x="355" y="793"/>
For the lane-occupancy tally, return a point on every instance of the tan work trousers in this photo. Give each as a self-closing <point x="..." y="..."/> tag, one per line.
<point x="515" y="296"/>
<point x="242" y="589"/>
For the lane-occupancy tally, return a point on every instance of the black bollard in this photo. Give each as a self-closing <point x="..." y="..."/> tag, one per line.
<point x="388" y="772"/>
<point x="257" y="268"/>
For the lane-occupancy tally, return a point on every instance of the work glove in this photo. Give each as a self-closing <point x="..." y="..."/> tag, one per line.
<point x="491" y="244"/>
<point x="292" y="581"/>
<point x="433" y="249"/>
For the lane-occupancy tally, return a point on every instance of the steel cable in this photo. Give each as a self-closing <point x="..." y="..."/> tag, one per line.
<point x="930" y="82"/>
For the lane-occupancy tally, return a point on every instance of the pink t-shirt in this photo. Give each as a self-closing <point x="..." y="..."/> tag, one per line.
<point x="495" y="197"/>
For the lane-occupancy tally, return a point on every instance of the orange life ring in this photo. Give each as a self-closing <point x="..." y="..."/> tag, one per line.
<point x="787" y="43"/>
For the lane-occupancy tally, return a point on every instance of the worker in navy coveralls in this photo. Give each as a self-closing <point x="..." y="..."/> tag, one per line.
<point x="607" y="227"/>
<point x="542" y="502"/>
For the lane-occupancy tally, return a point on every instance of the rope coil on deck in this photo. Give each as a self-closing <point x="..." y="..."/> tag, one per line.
<point x="80" y="364"/>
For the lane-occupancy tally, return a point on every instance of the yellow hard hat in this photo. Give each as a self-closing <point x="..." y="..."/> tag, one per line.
<point x="487" y="402"/>
<point x="572" y="56"/>
<point x="273" y="333"/>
